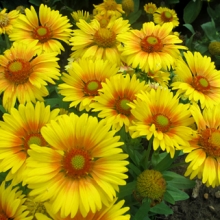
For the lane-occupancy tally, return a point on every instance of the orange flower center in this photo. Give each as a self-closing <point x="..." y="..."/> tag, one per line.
<point x="201" y="84"/>
<point x="166" y="16"/>
<point x="34" y="139"/>
<point x="91" y="88"/>
<point x="3" y="216"/>
<point x="77" y="163"/>
<point x="161" y="122"/>
<point x="18" y="71"/>
<point x="41" y="33"/>
<point x="110" y="5"/>
<point x="122" y="107"/>
<point x="210" y="141"/>
<point x="105" y="38"/>
<point x="151" y="44"/>
<point x="4" y="20"/>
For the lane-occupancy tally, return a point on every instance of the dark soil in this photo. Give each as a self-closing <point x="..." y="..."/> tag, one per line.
<point x="203" y="204"/>
<point x="204" y="207"/>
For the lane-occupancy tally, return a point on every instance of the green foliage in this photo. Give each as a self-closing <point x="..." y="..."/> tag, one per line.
<point x="191" y="11"/>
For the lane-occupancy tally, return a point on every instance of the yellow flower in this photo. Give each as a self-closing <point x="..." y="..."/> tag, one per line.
<point x="160" y="116"/>
<point x="159" y="76"/>
<point x="163" y="15"/>
<point x="48" y="29"/>
<point x="36" y="209"/>
<point x="128" y="6"/>
<point x="19" y="130"/>
<point x="80" y="14"/>
<point x="204" y="150"/>
<point x="84" y="80"/>
<point x="198" y="79"/>
<point x="114" y="96"/>
<point x="7" y="20"/>
<point x="104" y="19"/>
<point x="152" y="185"/>
<point x="24" y="76"/>
<point x="150" y="8"/>
<point x="214" y="48"/>
<point x="12" y="203"/>
<point x="115" y="211"/>
<point x="151" y="48"/>
<point x="110" y="7"/>
<point x="81" y="169"/>
<point x="91" y="40"/>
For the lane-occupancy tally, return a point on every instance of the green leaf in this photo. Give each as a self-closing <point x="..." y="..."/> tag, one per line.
<point x="210" y="30"/>
<point x="135" y="169"/>
<point x="173" y="2"/>
<point x="178" y="195"/>
<point x="35" y="2"/>
<point x="177" y="180"/>
<point x="142" y="212"/>
<point x="126" y="190"/>
<point x="168" y="197"/>
<point x="134" y="16"/>
<point x="161" y="208"/>
<point x="191" y="11"/>
<point x="190" y="28"/>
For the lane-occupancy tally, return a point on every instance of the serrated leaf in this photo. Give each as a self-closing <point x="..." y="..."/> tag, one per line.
<point x="162" y="208"/>
<point x="191" y="11"/>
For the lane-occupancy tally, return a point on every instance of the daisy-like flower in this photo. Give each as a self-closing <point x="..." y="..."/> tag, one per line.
<point x="7" y="20"/>
<point x="19" y="130"/>
<point x="163" y="15"/>
<point x="151" y="48"/>
<point x="84" y="80"/>
<point x="114" y="96"/>
<point x="80" y="14"/>
<point x="150" y="8"/>
<point x="82" y="168"/>
<point x="109" y="7"/>
<point x="128" y="6"/>
<point x="159" y="114"/>
<point x="159" y="76"/>
<point x="91" y="40"/>
<point x="24" y="76"/>
<point x="198" y="79"/>
<point x="49" y="29"/>
<point x="104" y="19"/>
<point x="12" y="203"/>
<point x="204" y="150"/>
<point x="115" y="211"/>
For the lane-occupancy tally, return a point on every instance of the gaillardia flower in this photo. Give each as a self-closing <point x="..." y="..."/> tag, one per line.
<point x="7" y="20"/>
<point x="19" y="130"/>
<point x="84" y="80"/>
<point x="152" y="185"/>
<point x="150" y="8"/>
<point x="115" y="211"/>
<point x="24" y="76"/>
<point x="12" y="203"/>
<point x="91" y="40"/>
<point x="81" y="169"/>
<point x="49" y="29"/>
<point x="151" y="48"/>
<point x="214" y="48"/>
<point x="114" y="96"/>
<point x="163" y="15"/>
<point x="110" y="7"/>
<point x="128" y="6"/>
<point x="160" y="116"/>
<point x="198" y="79"/>
<point x="204" y="149"/>
<point x="80" y="14"/>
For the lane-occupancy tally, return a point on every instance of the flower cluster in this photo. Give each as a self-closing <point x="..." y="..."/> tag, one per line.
<point x="74" y="132"/>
